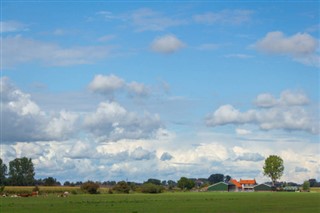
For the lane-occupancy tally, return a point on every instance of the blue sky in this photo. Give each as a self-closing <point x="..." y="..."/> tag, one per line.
<point x="176" y="88"/>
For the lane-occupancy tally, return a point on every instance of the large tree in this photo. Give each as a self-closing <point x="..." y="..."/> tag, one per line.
<point x="216" y="178"/>
<point x="273" y="168"/>
<point x="185" y="183"/>
<point x="21" y="172"/>
<point x="3" y="172"/>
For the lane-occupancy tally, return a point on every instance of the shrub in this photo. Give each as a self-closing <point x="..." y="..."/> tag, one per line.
<point x="122" y="187"/>
<point x="90" y="187"/>
<point x="151" y="188"/>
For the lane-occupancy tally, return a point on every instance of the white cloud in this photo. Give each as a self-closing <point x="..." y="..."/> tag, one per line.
<point x="17" y="50"/>
<point x="300" y="47"/>
<point x="111" y="121"/>
<point x="110" y="84"/>
<point x="287" y="113"/>
<point x="265" y="100"/>
<point x="12" y="26"/>
<point x="224" y="17"/>
<point x="167" y="44"/>
<point x="287" y="98"/>
<point x="82" y="149"/>
<point x="106" y="84"/>
<point x="25" y="121"/>
<point x="62" y="125"/>
<point x="292" y="98"/>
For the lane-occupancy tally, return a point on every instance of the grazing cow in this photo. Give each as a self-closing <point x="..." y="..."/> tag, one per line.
<point x="64" y="194"/>
<point x="24" y="195"/>
<point x="36" y="193"/>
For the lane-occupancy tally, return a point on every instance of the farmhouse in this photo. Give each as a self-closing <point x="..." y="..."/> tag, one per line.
<point x="243" y="185"/>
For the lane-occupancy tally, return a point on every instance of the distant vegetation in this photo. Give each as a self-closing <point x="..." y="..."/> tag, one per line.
<point x="21" y="172"/>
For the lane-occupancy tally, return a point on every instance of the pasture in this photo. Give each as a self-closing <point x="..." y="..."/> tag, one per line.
<point x="166" y="202"/>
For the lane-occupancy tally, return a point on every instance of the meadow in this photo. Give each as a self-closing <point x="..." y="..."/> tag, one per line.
<point x="166" y="202"/>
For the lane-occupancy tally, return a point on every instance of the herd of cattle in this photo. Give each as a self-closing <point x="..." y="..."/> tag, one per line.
<point x="32" y="194"/>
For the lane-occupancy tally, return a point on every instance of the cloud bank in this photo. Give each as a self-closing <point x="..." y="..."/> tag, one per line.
<point x="287" y="113"/>
<point x="300" y="47"/>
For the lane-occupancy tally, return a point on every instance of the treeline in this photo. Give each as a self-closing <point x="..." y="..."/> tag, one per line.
<point x="21" y="172"/>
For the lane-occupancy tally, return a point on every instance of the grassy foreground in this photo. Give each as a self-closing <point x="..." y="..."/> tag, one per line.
<point x="166" y="202"/>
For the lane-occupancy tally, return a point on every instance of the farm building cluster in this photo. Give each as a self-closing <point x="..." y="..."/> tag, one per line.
<point x="243" y="186"/>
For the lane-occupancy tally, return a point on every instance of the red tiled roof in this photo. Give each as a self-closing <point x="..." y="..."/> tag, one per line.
<point x="253" y="182"/>
<point x="235" y="182"/>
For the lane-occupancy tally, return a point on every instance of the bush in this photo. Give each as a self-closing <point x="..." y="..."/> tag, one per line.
<point x="151" y="188"/>
<point x="90" y="187"/>
<point x="122" y="187"/>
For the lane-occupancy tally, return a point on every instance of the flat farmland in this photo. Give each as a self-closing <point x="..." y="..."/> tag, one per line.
<point x="166" y="202"/>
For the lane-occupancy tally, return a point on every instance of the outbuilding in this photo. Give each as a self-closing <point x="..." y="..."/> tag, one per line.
<point x="221" y="187"/>
<point x="262" y="187"/>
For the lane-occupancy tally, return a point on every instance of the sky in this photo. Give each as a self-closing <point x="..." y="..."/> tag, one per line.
<point x="119" y="90"/>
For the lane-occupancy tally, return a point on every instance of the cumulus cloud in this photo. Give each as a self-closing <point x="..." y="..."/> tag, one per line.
<point x="25" y="121"/>
<point x="110" y="84"/>
<point x="287" y="98"/>
<point x="17" y="50"/>
<point x="224" y="17"/>
<point x="106" y="84"/>
<point x="113" y="122"/>
<point x="286" y="113"/>
<point x="167" y="44"/>
<point x="300" y="47"/>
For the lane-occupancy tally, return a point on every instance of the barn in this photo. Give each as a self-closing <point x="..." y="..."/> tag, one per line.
<point x="221" y="187"/>
<point x="262" y="187"/>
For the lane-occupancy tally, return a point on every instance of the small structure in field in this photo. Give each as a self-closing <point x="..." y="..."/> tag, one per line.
<point x="262" y="188"/>
<point x="221" y="187"/>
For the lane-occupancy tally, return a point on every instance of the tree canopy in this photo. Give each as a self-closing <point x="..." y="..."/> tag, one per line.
<point x="273" y="168"/>
<point x="216" y="178"/>
<point x="3" y="172"/>
<point x="21" y="172"/>
<point x="185" y="183"/>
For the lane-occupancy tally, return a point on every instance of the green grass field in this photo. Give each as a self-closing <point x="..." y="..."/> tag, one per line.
<point x="166" y="202"/>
